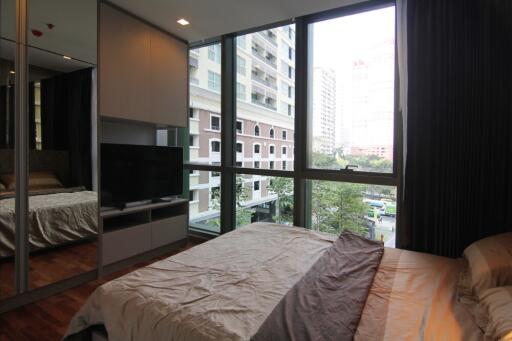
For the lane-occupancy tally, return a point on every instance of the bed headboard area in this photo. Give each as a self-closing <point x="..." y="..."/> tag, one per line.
<point x="56" y="161"/>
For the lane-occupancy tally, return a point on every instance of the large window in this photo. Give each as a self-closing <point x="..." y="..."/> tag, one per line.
<point x="205" y="137"/>
<point x="347" y="179"/>
<point x="351" y="91"/>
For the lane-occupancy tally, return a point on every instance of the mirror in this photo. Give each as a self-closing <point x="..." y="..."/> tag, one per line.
<point x="7" y="134"/>
<point x="63" y="200"/>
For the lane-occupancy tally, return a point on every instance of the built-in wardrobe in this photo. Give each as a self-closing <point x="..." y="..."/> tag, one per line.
<point x="55" y="100"/>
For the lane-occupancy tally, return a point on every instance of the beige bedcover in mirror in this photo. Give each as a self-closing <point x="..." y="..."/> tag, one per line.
<point x="224" y="290"/>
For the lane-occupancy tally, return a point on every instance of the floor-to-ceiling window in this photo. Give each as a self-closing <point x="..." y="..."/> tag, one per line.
<point x="326" y="160"/>
<point x="265" y="124"/>
<point x="204" y="137"/>
<point x="351" y="124"/>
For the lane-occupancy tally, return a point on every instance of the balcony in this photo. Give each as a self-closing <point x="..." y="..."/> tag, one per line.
<point x="194" y="81"/>
<point x="258" y="100"/>
<point x="266" y="82"/>
<point x="193" y="61"/>
<point x="268" y="58"/>
<point x="269" y="36"/>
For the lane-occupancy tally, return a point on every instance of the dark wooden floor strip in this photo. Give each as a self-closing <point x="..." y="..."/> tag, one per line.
<point x="48" y="319"/>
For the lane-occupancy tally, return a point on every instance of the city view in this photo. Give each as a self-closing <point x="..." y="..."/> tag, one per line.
<point x="351" y="104"/>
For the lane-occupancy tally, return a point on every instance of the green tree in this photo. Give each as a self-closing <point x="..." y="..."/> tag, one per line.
<point x="243" y="214"/>
<point x="283" y="188"/>
<point x="337" y="207"/>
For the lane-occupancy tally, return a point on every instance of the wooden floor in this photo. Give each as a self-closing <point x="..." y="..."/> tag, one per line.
<point x="50" y="266"/>
<point x="48" y="319"/>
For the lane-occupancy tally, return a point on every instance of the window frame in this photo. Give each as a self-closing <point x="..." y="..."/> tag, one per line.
<point x="300" y="172"/>
<point x="220" y="122"/>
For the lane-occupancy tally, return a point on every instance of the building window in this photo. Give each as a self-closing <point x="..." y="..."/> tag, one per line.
<point x="290" y="110"/>
<point x="240" y="65"/>
<point x="284" y="134"/>
<point x="239" y="127"/>
<point x="256" y="131"/>
<point x="192" y="113"/>
<point x="214" y="122"/>
<point x="283" y="151"/>
<point x="215" y="146"/>
<point x="290" y="72"/>
<point x="240" y="91"/>
<point x="256" y="149"/>
<point x="240" y="42"/>
<point x="239" y="163"/>
<point x="214" y="81"/>
<point x="239" y="147"/>
<point x="214" y="53"/>
<point x="271" y="165"/>
<point x="256" y="185"/>
<point x="256" y="164"/>
<point x="271" y="149"/>
<point x="284" y="165"/>
<point x="192" y="139"/>
<point x="271" y="133"/>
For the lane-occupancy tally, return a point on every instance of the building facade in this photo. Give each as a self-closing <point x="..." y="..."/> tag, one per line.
<point x="265" y="120"/>
<point x="324" y="110"/>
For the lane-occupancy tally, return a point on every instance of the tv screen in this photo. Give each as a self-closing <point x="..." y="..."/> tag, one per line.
<point x="131" y="173"/>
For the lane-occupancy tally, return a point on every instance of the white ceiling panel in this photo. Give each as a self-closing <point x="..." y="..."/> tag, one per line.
<point x="212" y="18"/>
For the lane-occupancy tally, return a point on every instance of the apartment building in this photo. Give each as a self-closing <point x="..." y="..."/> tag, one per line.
<point x="324" y="110"/>
<point x="265" y="120"/>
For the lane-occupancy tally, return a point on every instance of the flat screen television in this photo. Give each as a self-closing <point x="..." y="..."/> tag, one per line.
<point x="132" y="173"/>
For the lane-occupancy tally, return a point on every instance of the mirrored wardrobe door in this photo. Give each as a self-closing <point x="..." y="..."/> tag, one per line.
<point x="63" y="202"/>
<point x="7" y="138"/>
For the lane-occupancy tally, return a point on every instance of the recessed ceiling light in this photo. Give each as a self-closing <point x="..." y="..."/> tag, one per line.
<point x="183" y="22"/>
<point x="12" y="72"/>
<point x="66" y="57"/>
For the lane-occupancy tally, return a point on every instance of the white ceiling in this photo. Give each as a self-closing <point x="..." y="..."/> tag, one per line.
<point x="212" y="18"/>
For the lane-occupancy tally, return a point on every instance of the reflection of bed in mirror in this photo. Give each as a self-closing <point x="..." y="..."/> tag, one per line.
<point x="59" y="214"/>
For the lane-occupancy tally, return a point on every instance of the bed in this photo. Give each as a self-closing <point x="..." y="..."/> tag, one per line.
<point x="56" y="217"/>
<point x="229" y="287"/>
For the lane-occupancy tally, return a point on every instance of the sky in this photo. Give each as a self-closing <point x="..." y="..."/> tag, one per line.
<point x="338" y="42"/>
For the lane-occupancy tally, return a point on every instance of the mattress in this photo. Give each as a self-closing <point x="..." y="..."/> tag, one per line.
<point x="225" y="289"/>
<point x="54" y="219"/>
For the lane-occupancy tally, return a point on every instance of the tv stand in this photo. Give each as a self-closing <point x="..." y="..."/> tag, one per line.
<point x="142" y="232"/>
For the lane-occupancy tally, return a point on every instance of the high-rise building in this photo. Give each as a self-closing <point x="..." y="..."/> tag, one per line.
<point x="324" y="110"/>
<point x="265" y="119"/>
<point x="372" y="100"/>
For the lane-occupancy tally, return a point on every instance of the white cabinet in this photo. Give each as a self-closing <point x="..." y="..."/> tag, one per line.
<point x="142" y="71"/>
<point x="142" y="229"/>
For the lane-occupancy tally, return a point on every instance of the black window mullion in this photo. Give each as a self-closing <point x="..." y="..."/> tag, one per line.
<point x="228" y="134"/>
<point x="301" y="117"/>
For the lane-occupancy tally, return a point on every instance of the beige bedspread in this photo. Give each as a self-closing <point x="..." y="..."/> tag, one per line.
<point x="54" y="219"/>
<point x="225" y="289"/>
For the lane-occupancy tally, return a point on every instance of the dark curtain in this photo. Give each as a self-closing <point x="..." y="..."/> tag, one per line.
<point x="4" y="112"/>
<point x="66" y="121"/>
<point x="7" y="117"/>
<point x="458" y="185"/>
<point x="31" y="116"/>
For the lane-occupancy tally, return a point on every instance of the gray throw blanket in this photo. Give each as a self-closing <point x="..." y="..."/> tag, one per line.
<point x="327" y="303"/>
